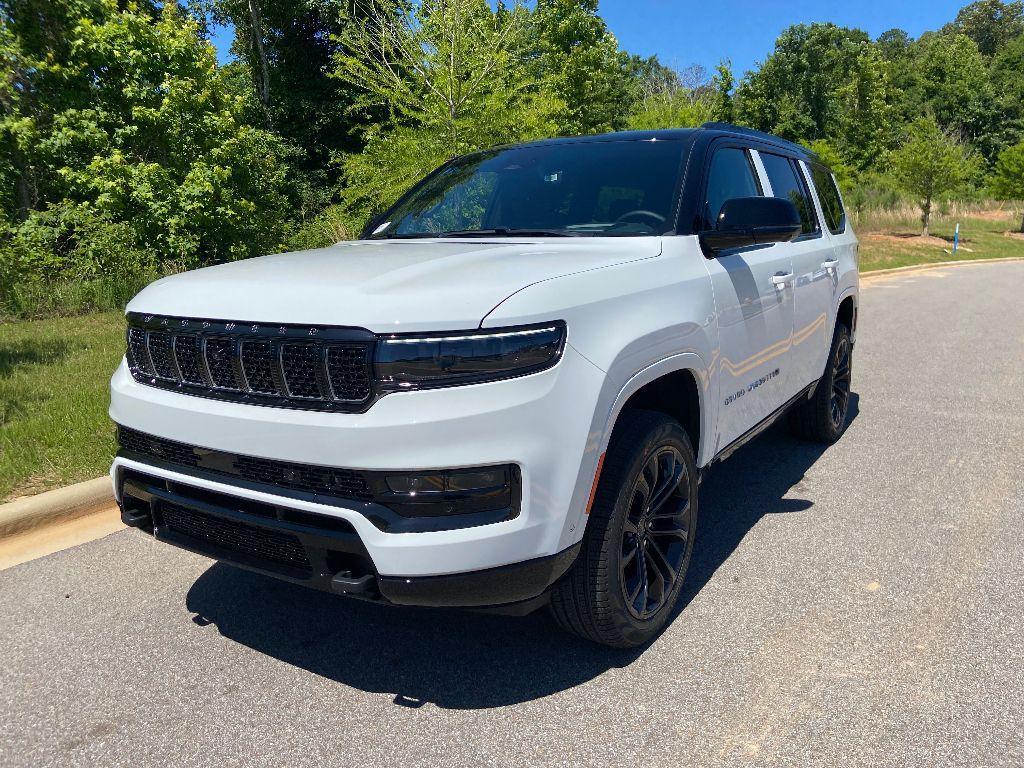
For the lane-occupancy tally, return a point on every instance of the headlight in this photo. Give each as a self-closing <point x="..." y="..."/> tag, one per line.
<point x="417" y="361"/>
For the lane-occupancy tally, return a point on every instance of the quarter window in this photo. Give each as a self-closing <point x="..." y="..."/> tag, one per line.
<point x="731" y="175"/>
<point x="831" y="202"/>
<point x="788" y="184"/>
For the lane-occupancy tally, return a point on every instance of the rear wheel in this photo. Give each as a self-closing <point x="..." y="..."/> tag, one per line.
<point x="823" y="417"/>
<point x="639" y="538"/>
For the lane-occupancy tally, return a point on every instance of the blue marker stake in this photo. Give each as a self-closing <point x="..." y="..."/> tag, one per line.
<point x="956" y="237"/>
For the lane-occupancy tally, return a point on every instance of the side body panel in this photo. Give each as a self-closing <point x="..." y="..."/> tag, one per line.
<point x="754" y="305"/>
<point x="846" y="274"/>
<point x="813" y="290"/>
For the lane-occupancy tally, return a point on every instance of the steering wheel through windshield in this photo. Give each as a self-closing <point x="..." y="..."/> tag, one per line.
<point x="638" y="217"/>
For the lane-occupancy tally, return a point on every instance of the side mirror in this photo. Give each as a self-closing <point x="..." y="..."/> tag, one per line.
<point x="745" y="221"/>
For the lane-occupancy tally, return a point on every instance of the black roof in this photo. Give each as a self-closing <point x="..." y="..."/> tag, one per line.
<point x="677" y="134"/>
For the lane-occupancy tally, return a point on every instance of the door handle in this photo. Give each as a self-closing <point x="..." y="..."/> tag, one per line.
<point x="779" y="279"/>
<point x="830" y="264"/>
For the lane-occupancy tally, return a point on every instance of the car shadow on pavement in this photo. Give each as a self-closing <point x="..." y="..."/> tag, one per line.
<point x="464" y="660"/>
<point x="752" y="483"/>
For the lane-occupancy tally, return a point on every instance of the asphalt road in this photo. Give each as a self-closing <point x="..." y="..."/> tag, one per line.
<point x="857" y="606"/>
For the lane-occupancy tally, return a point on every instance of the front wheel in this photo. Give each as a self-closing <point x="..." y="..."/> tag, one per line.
<point x="823" y="417"/>
<point x="639" y="538"/>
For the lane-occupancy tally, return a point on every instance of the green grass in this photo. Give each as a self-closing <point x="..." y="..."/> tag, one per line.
<point x="893" y="242"/>
<point x="54" y="375"/>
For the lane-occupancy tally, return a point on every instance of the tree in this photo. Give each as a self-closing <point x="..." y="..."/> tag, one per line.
<point x="893" y="44"/>
<point x="452" y="77"/>
<point x="1007" y="181"/>
<point x="581" y="59"/>
<point x="724" y="83"/>
<point x="948" y="76"/>
<point x="823" y="82"/>
<point x="285" y="51"/>
<point x="990" y="23"/>
<point x="120" y="112"/>
<point x="1007" y="73"/>
<point x="930" y="163"/>
<point x="674" y="99"/>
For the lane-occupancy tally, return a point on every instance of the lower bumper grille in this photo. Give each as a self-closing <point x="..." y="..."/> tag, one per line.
<point x="261" y="543"/>
<point x="343" y="483"/>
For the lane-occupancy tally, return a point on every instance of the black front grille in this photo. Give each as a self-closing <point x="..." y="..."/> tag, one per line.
<point x="348" y="370"/>
<point x="258" y="365"/>
<point x="336" y="482"/>
<point x="162" y="355"/>
<point x="157" y="447"/>
<point x="220" y="359"/>
<point x="138" y="354"/>
<point x="262" y="543"/>
<point x="330" y="481"/>
<point x="301" y="365"/>
<point x="289" y="366"/>
<point x="186" y="352"/>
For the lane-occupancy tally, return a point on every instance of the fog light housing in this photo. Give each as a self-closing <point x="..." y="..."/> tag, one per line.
<point x="452" y="492"/>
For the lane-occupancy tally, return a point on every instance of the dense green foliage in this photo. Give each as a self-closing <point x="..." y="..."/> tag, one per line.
<point x="125" y="147"/>
<point x="127" y="151"/>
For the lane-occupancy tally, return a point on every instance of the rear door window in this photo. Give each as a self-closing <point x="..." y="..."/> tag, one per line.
<point x="731" y="175"/>
<point x="831" y="202"/>
<point x="787" y="182"/>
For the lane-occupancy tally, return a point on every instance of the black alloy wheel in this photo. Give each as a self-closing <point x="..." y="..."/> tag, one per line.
<point x="656" y="534"/>
<point x="640" y="535"/>
<point x="841" y="376"/>
<point x="824" y="417"/>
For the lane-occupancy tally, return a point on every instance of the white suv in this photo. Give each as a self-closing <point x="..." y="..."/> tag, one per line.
<point x="504" y="394"/>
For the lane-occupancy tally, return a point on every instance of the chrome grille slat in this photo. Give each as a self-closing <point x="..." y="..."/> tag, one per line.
<point x="286" y="366"/>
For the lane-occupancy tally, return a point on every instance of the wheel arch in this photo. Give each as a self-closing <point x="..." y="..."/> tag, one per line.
<point x="846" y="312"/>
<point x="651" y="388"/>
<point x="677" y="387"/>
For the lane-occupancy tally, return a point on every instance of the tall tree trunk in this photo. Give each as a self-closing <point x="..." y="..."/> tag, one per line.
<point x="926" y="214"/>
<point x="262" y="77"/>
<point x="25" y="188"/>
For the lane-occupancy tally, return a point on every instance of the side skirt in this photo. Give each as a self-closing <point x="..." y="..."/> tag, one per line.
<point x="804" y="394"/>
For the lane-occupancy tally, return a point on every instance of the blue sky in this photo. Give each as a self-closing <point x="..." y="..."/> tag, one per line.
<point x="682" y="32"/>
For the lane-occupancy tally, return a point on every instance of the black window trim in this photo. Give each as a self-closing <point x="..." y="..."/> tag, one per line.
<point x="794" y="164"/>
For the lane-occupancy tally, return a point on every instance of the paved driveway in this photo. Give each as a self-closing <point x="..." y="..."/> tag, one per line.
<point x="857" y="606"/>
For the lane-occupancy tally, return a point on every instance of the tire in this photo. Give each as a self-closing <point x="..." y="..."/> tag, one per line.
<point x="623" y="536"/>
<point x="823" y="418"/>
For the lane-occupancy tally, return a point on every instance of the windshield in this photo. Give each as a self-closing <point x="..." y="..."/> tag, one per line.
<point x="604" y="189"/>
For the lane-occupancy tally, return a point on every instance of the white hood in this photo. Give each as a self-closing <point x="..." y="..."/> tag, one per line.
<point x="391" y="285"/>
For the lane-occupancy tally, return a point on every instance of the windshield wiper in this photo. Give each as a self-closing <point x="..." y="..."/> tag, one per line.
<point x="506" y="232"/>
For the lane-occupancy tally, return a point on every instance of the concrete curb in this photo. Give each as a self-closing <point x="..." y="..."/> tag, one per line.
<point x="61" y="503"/>
<point x="937" y="265"/>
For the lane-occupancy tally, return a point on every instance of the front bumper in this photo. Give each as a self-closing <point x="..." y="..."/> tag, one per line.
<point x="541" y="423"/>
<point x="315" y="551"/>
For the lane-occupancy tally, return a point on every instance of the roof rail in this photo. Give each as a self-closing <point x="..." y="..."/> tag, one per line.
<point x="718" y="126"/>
